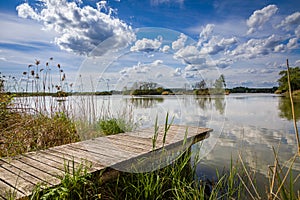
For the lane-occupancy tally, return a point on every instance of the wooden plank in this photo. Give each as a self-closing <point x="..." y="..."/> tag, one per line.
<point x="7" y="191"/>
<point x="66" y="157"/>
<point x="16" y="181"/>
<point x="29" y="177"/>
<point x="45" y="167"/>
<point x="77" y="161"/>
<point x="120" y="151"/>
<point x="35" y="170"/>
<point x="131" y="147"/>
<point x="103" y="157"/>
<point x="104" y="144"/>
<point x="83" y="154"/>
<point x="133" y="139"/>
<point x="50" y="164"/>
<point x="76" y="154"/>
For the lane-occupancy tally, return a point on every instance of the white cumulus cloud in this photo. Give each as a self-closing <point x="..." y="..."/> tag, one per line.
<point x="297" y="31"/>
<point x="165" y="48"/>
<point x="215" y="45"/>
<point x="178" y="44"/>
<point x="146" y="44"/>
<point x="260" y="17"/>
<point x="177" y="72"/>
<point x="206" y="33"/>
<point x="157" y="62"/>
<point x="293" y="43"/>
<point x="257" y="47"/>
<point x="79" y="29"/>
<point x="190" y="55"/>
<point x="290" y="21"/>
<point x="279" y="48"/>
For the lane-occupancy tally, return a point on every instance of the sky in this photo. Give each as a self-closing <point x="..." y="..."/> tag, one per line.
<point x="112" y="44"/>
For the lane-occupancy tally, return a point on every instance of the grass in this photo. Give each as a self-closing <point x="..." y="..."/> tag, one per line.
<point x="176" y="181"/>
<point x="32" y="123"/>
<point x="75" y="184"/>
<point x="22" y="132"/>
<point x="112" y="126"/>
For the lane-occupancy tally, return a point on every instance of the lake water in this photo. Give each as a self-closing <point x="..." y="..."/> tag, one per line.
<point x="251" y="124"/>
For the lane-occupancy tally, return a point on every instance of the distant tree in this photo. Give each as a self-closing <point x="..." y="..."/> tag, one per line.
<point x="295" y="79"/>
<point x="220" y="82"/>
<point x="1" y="84"/>
<point x="200" y="85"/>
<point x="219" y="85"/>
<point x="144" y="86"/>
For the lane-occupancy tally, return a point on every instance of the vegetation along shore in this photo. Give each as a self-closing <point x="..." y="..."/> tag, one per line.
<point x="39" y="126"/>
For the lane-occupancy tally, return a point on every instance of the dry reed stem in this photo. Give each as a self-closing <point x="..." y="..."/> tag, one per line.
<point x="287" y="173"/>
<point x="273" y="171"/>
<point x="246" y="171"/>
<point x="292" y="106"/>
<point x="245" y="186"/>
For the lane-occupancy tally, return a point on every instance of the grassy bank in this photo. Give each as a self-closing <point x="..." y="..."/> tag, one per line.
<point x="22" y="131"/>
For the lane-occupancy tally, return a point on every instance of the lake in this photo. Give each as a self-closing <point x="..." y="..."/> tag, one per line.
<point x="252" y="124"/>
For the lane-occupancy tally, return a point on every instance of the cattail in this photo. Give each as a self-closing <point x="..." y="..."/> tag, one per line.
<point x="61" y="70"/>
<point x="37" y="62"/>
<point x="24" y="73"/>
<point x="47" y="63"/>
<point x="32" y="72"/>
<point x="58" y="65"/>
<point x="63" y="77"/>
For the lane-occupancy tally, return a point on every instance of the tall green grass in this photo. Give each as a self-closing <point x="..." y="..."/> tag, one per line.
<point x="76" y="183"/>
<point x="176" y="181"/>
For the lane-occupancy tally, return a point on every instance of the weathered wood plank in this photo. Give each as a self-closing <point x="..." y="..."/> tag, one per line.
<point x="7" y="191"/>
<point x="29" y="177"/>
<point x="126" y="146"/>
<point x="36" y="171"/>
<point x="121" y="151"/>
<point x="69" y="159"/>
<point x="16" y="181"/>
<point x="103" y="157"/>
<point x="65" y="157"/>
<point x="132" y="137"/>
<point x="79" y="153"/>
<point x="105" y="145"/>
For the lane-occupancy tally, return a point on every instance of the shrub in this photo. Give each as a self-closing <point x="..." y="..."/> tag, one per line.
<point x="112" y="126"/>
<point x="23" y="132"/>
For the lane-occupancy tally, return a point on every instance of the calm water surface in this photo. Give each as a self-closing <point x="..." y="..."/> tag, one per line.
<point x="252" y="124"/>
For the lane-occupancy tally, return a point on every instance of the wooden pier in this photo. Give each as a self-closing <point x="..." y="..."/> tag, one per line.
<point x="125" y="152"/>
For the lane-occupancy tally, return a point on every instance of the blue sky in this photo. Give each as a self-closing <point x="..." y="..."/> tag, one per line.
<point x="188" y="40"/>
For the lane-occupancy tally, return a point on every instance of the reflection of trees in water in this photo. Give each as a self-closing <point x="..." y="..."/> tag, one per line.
<point x="285" y="109"/>
<point x="145" y="102"/>
<point x="220" y="104"/>
<point x="205" y="102"/>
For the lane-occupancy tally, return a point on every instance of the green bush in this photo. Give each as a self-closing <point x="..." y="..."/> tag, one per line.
<point x="112" y="126"/>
